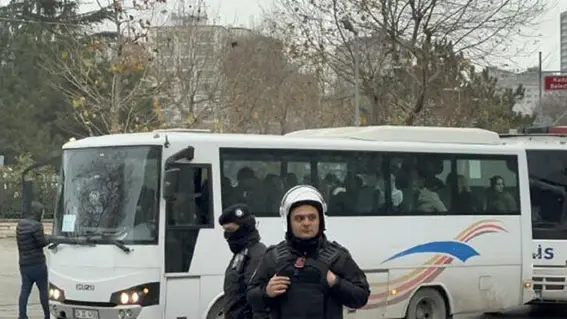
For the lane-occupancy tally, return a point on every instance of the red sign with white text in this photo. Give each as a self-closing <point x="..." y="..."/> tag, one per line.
<point x="555" y="83"/>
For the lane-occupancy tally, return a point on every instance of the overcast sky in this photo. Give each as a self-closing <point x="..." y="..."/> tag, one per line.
<point x="243" y="12"/>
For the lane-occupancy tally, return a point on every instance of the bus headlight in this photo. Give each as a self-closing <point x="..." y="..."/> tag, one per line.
<point x="55" y="293"/>
<point x="129" y="297"/>
<point x="143" y="295"/>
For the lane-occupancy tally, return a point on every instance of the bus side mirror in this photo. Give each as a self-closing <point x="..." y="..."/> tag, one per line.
<point x="170" y="183"/>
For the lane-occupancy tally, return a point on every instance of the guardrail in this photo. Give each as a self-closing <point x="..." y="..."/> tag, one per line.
<point x="8" y="227"/>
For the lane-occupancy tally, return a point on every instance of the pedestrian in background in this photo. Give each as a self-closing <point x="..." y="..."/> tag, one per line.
<point x="33" y="267"/>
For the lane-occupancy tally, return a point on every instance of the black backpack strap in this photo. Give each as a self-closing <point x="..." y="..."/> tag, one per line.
<point x="326" y="257"/>
<point x="330" y="253"/>
<point x="282" y="256"/>
<point x="245" y="257"/>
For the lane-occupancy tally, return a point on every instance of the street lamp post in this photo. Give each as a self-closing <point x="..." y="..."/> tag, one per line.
<point x="348" y="26"/>
<point x="356" y="90"/>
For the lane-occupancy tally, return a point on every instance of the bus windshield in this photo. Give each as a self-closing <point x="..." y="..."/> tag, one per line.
<point x="109" y="193"/>
<point x="548" y="190"/>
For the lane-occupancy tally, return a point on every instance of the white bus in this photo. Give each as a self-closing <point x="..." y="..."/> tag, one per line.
<point x="136" y="233"/>
<point x="546" y="149"/>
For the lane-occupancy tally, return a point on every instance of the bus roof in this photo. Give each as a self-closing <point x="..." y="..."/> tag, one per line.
<point x="536" y="141"/>
<point x="538" y="137"/>
<point x="387" y="133"/>
<point x="181" y="130"/>
<point x="258" y="141"/>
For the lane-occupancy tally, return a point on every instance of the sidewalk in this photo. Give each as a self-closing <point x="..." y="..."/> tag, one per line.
<point x="11" y="312"/>
<point x="8" y="228"/>
<point x="10" y="283"/>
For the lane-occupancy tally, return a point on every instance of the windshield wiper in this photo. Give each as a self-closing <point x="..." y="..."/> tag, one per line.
<point x="89" y="240"/>
<point x="68" y="240"/>
<point x="118" y="243"/>
<point x="98" y="238"/>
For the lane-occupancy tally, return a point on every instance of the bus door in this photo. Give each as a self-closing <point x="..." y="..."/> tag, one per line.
<point x="188" y="211"/>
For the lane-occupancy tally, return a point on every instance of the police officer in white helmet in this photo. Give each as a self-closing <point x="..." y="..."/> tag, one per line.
<point x="307" y="276"/>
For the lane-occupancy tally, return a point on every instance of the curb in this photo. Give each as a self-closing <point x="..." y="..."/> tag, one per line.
<point x="8" y="228"/>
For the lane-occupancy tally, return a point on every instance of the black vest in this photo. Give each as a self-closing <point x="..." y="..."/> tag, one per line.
<point x="307" y="294"/>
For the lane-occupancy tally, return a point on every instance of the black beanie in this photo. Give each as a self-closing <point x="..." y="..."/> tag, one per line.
<point x="239" y="214"/>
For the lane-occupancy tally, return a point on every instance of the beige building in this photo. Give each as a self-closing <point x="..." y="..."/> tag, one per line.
<point x="528" y="79"/>
<point x="188" y="61"/>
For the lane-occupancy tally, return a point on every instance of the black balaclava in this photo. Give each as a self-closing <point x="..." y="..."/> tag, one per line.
<point x="36" y="213"/>
<point x="306" y="246"/>
<point x="247" y="234"/>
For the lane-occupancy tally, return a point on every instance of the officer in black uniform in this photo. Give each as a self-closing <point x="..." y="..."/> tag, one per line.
<point x="307" y="276"/>
<point x="244" y="242"/>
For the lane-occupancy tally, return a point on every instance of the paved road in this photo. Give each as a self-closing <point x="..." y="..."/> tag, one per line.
<point x="10" y="286"/>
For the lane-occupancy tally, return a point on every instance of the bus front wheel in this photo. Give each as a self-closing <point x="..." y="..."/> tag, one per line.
<point x="216" y="311"/>
<point x="427" y="303"/>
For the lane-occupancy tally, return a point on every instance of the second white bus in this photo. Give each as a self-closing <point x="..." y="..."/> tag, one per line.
<point x="546" y="149"/>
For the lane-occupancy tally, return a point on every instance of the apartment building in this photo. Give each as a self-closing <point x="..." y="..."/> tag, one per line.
<point x="190" y="51"/>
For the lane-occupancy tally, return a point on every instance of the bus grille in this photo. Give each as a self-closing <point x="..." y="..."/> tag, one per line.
<point x="549" y="283"/>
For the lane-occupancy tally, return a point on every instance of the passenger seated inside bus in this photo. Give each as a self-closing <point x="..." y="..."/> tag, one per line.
<point x="273" y="191"/>
<point x="419" y="197"/>
<point x="464" y="200"/>
<point x="498" y="200"/>
<point x="249" y="189"/>
<point x="397" y="196"/>
<point x="422" y="184"/>
<point x="290" y="180"/>
<point x="327" y="185"/>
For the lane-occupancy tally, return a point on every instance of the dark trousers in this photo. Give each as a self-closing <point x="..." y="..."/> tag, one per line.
<point x="34" y="274"/>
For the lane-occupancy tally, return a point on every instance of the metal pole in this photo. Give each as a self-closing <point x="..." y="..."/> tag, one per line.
<point x="347" y="24"/>
<point x="540" y="75"/>
<point x="356" y="88"/>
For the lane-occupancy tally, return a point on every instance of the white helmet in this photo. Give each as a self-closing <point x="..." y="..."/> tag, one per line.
<point x="300" y="193"/>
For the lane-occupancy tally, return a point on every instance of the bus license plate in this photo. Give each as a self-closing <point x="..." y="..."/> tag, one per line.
<point x="86" y="314"/>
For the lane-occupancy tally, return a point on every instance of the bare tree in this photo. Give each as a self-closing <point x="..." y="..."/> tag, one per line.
<point x="105" y="75"/>
<point x="263" y="91"/>
<point x="400" y="41"/>
<point x="189" y="62"/>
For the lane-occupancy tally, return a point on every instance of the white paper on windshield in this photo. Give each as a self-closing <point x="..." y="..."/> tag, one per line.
<point x="68" y="223"/>
<point x="475" y="170"/>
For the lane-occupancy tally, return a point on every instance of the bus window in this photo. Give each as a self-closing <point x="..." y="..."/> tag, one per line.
<point x="421" y="179"/>
<point x="191" y="206"/>
<point x="190" y="210"/>
<point x="485" y="186"/>
<point x="456" y="184"/>
<point x="246" y="179"/>
<point x="357" y="183"/>
<point x="331" y="176"/>
<point x="301" y="171"/>
<point x="548" y="186"/>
